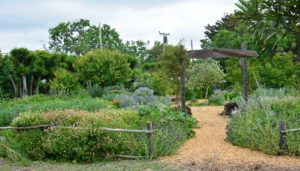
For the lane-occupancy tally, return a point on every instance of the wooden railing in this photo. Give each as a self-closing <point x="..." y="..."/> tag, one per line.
<point x="282" y="135"/>
<point x="149" y="131"/>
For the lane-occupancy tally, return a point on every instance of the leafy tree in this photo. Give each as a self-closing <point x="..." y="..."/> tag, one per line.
<point x="104" y="68"/>
<point x="22" y="61"/>
<point x="274" y="17"/>
<point x="204" y="73"/>
<point x="80" y="37"/>
<point x="280" y="71"/>
<point x="173" y="62"/>
<point x="137" y="48"/>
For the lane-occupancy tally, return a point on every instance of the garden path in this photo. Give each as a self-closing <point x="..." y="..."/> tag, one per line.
<point x="208" y="150"/>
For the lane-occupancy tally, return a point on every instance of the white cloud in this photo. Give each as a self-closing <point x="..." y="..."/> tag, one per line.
<point x="26" y="23"/>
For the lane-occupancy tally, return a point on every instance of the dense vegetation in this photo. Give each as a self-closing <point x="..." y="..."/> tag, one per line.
<point x="256" y="126"/>
<point x="172" y="128"/>
<point x="81" y="81"/>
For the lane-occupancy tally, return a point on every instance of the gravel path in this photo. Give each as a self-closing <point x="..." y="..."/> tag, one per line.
<point x="208" y="150"/>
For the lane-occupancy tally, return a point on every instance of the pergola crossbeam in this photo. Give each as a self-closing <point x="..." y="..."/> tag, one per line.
<point x="221" y="53"/>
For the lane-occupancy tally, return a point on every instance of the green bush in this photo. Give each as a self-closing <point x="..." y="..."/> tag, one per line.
<point x="64" y="83"/>
<point x="217" y="98"/>
<point x="104" y="68"/>
<point x="256" y="126"/>
<point x="95" y="91"/>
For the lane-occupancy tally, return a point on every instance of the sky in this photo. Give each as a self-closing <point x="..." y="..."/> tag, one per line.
<point x="25" y="23"/>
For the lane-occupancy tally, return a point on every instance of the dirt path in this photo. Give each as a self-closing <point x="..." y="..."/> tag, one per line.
<point x="208" y="150"/>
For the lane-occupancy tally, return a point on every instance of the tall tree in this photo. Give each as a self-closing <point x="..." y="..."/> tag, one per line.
<point x="204" y="74"/>
<point x="274" y="16"/>
<point x="80" y="37"/>
<point x="22" y="60"/>
<point x="174" y="61"/>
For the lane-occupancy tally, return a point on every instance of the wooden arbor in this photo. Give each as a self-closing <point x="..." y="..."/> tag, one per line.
<point x="242" y="54"/>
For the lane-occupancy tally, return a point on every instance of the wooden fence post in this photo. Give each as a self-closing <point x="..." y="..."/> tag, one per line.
<point x="149" y="139"/>
<point x="282" y="137"/>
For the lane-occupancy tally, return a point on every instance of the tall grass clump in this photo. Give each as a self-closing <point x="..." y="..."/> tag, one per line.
<point x="256" y="126"/>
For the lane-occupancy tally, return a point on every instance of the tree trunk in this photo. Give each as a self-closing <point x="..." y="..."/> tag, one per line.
<point x="37" y="88"/>
<point x="24" y="88"/>
<point x="298" y="47"/>
<point x="206" y="92"/>
<point x="20" y="89"/>
<point x="31" y="85"/>
<point x="14" y="85"/>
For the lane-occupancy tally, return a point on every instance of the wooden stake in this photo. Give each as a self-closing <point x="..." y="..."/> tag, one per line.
<point x="282" y="137"/>
<point x="150" y="140"/>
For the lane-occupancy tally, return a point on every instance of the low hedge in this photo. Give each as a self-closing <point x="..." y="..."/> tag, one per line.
<point x="89" y="144"/>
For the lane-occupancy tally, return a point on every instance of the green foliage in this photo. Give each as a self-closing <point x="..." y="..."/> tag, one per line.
<point x="204" y="73"/>
<point x="173" y="62"/>
<point x="280" y="71"/>
<point x="218" y="98"/>
<point x="256" y="126"/>
<point x="95" y="91"/>
<point x="171" y="129"/>
<point x="268" y="19"/>
<point x="155" y="80"/>
<point x="11" y="109"/>
<point x="80" y="37"/>
<point x="104" y="68"/>
<point x="64" y="83"/>
<point x="144" y="95"/>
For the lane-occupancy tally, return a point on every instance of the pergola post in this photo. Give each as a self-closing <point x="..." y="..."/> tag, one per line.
<point x="183" y="90"/>
<point x="243" y="62"/>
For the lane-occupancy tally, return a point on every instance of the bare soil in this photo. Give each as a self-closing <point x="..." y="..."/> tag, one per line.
<point x="209" y="150"/>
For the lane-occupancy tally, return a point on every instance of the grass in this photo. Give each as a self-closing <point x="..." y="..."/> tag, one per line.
<point x="121" y="165"/>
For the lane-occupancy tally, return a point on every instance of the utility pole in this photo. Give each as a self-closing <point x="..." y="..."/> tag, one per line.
<point x="165" y="39"/>
<point x="100" y="37"/>
<point x="192" y="48"/>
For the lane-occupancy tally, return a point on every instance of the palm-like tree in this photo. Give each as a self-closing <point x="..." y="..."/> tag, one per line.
<point x="269" y="18"/>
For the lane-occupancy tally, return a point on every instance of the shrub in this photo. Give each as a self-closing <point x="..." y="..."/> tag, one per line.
<point x="256" y="126"/>
<point x="91" y="144"/>
<point x="144" y="95"/>
<point x="95" y="91"/>
<point x="126" y="101"/>
<point x="141" y="96"/>
<point x="104" y="68"/>
<point x="64" y="83"/>
<point x="217" y="98"/>
<point x="11" y="109"/>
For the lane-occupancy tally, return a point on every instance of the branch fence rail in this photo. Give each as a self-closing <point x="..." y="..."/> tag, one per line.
<point x="149" y="132"/>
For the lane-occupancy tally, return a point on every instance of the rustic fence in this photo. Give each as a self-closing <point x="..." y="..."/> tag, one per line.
<point x="149" y="132"/>
<point x="282" y="135"/>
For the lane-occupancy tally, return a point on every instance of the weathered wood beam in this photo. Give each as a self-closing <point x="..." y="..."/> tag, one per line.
<point x="236" y="52"/>
<point x="221" y="53"/>
<point x="205" y="53"/>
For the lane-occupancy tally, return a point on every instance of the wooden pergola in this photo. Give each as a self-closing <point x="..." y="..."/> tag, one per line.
<point x="242" y="54"/>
